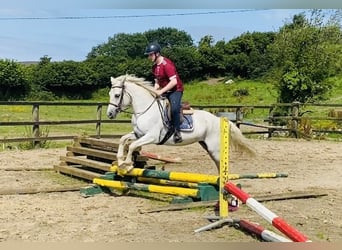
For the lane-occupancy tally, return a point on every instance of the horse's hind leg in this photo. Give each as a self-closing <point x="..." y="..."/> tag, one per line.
<point x="213" y="153"/>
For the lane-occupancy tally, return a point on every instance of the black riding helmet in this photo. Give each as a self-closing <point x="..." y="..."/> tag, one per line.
<point x="152" y="48"/>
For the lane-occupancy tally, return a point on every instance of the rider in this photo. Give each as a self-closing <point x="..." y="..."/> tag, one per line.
<point x="168" y="84"/>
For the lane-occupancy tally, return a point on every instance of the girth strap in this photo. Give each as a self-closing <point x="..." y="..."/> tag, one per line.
<point x="168" y="134"/>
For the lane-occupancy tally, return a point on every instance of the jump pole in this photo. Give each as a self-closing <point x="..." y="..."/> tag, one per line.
<point x="261" y="232"/>
<point x="123" y="185"/>
<point x="269" y="216"/>
<point x="193" y="177"/>
<point x="173" y="176"/>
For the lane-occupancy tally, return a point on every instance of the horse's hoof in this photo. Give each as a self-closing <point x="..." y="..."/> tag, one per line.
<point x="123" y="169"/>
<point x="121" y="172"/>
<point x="129" y="168"/>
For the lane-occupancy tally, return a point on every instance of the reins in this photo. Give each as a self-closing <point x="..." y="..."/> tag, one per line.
<point x="124" y="91"/>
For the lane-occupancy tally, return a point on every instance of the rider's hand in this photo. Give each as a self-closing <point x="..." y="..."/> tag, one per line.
<point x="159" y="92"/>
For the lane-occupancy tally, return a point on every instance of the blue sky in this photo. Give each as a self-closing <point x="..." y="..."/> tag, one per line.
<point x="31" y="29"/>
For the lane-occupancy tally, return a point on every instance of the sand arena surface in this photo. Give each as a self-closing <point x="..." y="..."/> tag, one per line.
<point x="312" y="166"/>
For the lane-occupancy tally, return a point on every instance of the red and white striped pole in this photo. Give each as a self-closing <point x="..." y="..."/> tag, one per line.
<point x="268" y="215"/>
<point x="263" y="233"/>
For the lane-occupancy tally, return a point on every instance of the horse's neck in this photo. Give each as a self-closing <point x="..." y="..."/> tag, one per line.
<point x="142" y="99"/>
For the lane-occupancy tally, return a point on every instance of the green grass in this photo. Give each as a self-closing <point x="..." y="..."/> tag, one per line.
<point x="258" y="93"/>
<point x="22" y="113"/>
<point x="203" y="93"/>
<point x="200" y="93"/>
<point x="336" y="93"/>
<point x="57" y="113"/>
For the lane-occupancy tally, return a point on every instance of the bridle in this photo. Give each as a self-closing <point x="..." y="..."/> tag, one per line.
<point x="118" y="106"/>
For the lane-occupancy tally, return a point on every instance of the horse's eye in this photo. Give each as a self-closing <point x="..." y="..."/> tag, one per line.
<point x="117" y="95"/>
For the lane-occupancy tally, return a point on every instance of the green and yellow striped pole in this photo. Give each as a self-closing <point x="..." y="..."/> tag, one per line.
<point x="164" y="182"/>
<point x="224" y="165"/>
<point x="193" y="177"/>
<point x="123" y="185"/>
<point x="174" y="176"/>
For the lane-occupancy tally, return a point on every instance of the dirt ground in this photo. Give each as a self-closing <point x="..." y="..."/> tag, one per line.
<point x="312" y="166"/>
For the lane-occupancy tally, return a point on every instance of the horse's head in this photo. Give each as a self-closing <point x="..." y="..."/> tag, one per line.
<point x="119" y="99"/>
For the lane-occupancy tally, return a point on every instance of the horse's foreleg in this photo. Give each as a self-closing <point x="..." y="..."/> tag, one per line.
<point x="123" y="143"/>
<point x="128" y="163"/>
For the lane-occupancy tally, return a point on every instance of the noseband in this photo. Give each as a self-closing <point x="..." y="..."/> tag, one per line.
<point x="119" y="105"/>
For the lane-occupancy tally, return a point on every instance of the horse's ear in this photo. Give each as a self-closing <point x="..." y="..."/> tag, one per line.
<point x="112" y="79"/>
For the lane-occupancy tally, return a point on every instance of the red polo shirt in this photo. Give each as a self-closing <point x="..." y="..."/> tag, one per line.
<point x="165" y="71"/>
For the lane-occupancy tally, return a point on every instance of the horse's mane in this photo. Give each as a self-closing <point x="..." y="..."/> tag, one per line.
<point x="138" y="81"/>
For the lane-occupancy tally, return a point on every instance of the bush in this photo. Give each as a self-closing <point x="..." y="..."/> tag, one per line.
<point x="241" y="92"/>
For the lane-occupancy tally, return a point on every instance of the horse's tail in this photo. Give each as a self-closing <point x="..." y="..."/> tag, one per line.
<point x="239" y="142"/>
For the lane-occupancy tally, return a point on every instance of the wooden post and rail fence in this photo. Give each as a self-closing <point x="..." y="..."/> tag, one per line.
<point x="269" y="120"/>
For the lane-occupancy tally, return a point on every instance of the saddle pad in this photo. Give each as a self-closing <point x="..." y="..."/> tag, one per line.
<point x="187" y="122"/>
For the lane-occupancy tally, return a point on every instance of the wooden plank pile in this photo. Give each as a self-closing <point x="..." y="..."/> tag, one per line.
<point x="90" y="158"/>
<point x="93" y="160"/>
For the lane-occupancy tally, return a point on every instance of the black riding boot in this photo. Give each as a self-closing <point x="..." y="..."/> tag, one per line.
<point x="177" y="138"/>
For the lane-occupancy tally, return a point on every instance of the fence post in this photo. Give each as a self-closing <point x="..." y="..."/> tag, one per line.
<point x="295" y="112"/>
<point x="35" y="128"/>
<point x="98" y="123"/>
<point x="238" y="116"/>
<point x="270" y="121"/>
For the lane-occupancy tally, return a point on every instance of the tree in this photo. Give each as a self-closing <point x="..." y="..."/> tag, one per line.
<point x="13" y="81"/>
<point x="305" y="53"/>
<point x="103" y="67"/>
<point x="187" y="61"/>
<point x="178" y="46"/>
<point x="68" y="78"/>
<point x="121" y="47"/>
<point x="247" y="54"/>
<point x="211" y="57"/>
<point x="124" y="53"/>
<point x="169" y="37"/>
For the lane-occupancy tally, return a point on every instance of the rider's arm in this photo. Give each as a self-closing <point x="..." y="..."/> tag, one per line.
<point x="172" y="83"/>
<point x="156" y="84"/>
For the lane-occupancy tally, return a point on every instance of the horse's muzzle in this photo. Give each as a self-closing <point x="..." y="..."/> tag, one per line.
<point x="112" y="113"/>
